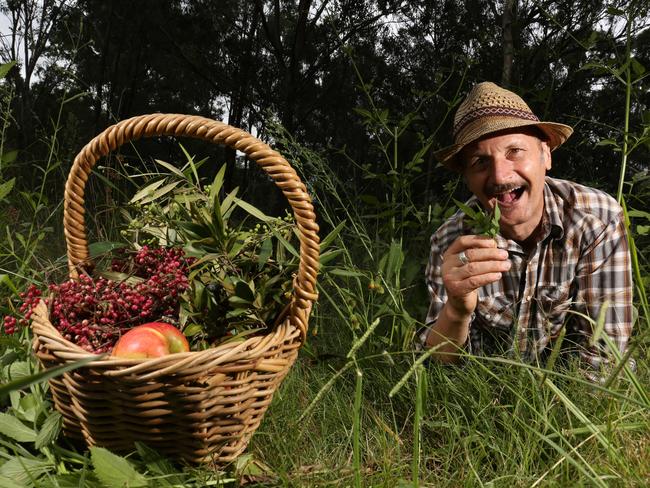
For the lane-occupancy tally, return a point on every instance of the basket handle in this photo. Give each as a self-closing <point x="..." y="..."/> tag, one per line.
<point x="209" y="130"/>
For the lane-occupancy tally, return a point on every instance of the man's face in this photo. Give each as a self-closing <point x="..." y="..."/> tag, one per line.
<point x="509" y="167"/>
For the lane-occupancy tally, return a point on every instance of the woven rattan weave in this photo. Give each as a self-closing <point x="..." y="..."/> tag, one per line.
<point x="201" y="406"/>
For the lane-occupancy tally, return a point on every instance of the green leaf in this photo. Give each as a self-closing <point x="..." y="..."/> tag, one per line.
<point x="266" y="249"/>
<point x="29" y="407"/>
<point x="286" y="244"/>
<point x="345" y="272"/>
<point x="49" y="430"/>
<point x="4" y="68"/>
<point x="244" y="291"/>
<point x="190" y="163"/>
<point x="82" y="478"/>
<point x="607" y="142"/>
<point x="159" y="465"/>
<point x="600" y="324"/>
<point x="6" y="482"/>
<point x="146" y="191"/>
<point x="200" y="295"/>
<point x="637" y="67"/>
<point x="6" y="280"/>
<point x="217" y="220"/>
<point x="258" y="214"/>
<point x="118" y="276"/>
<point x="331" y="236"/>
<point x="15" y="429"/>
<point x="170" y="167"/>
<point x="6" y="187"/>
<point x="227" y="202"/>
<point x="115" y="471"/>
<point x="103" y="247"/>
<point x="479" y="221"/>
<point x="638" y="213"/>
<point x="160" y="192"/>
<point x="215" y="188"/>
<point x="391" y="262"/>
<point x="23" y="470"/>
<point x="328" y="256"/>
<point x="369" y="199"/>
<point x="466" y="209"/>
<point x="9" y="157"/>
<point x="615" y="11"/>
<point x="20" y="369"/>
<point x="493" y="227"/>
<point x="192" y="329"/>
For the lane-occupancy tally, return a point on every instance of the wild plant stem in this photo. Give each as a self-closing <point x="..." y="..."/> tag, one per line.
<point x="417" y="430"/>
<point x="356" y="430"/>
<point x="626" y="127"/>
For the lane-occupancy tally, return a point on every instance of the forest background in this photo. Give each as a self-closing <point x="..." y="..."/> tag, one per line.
<point x="357" y="95"/>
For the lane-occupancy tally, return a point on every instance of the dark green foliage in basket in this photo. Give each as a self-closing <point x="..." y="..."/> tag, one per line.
<point x="241" y="280"/>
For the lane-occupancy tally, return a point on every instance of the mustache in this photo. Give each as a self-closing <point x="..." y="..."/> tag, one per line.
<point x="504" y="188"/>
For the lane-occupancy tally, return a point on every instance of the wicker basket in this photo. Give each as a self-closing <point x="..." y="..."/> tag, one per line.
<point x="200" y="406"/>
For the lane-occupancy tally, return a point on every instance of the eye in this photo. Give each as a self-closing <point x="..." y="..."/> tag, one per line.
<point x="478" y="162"/>
<point x="515" y="152"/>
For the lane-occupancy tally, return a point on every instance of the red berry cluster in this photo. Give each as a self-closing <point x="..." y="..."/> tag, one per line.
<point x="9" y="323"/>
<point x="30" y="298"/>
<point x="93" y="313"/>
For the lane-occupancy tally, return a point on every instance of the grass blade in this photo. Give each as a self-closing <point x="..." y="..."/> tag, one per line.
<point x="356" y="430"/>
<point x="420" y="382"/>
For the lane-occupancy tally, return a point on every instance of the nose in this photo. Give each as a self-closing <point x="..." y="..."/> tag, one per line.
<point x="500" y="170"/>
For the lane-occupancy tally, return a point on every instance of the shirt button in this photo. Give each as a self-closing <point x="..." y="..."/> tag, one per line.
<point x="488" y="316"/>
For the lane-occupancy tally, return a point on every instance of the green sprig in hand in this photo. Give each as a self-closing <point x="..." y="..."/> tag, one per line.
<point x="481" y="222"/>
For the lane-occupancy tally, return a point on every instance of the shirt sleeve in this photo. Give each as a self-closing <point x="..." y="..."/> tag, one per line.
<point x="604" y="278"/>
<point x="437" y="295"/>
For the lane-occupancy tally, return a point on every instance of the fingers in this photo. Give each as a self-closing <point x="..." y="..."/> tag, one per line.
<point x="469" y="242"/>
<point x="461" y="286"/>
<point x="474" y="268"/>
<point x="471" y="262"/>
<point x="470" y="248"/>
<point x="479" y="255"/>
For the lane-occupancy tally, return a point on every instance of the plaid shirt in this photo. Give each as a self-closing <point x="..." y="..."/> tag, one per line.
<point x="581" y="261"/>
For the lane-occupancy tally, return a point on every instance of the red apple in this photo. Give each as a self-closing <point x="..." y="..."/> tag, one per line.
<point x="151" y="340"/>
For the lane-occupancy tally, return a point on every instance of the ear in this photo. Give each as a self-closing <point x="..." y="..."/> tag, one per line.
<point x="546" y="155"/>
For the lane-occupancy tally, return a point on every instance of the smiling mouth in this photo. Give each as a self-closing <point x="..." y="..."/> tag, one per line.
<point x="510" y="196"/>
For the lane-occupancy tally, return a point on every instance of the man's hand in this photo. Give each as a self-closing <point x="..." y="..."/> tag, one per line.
<point x="462" y="274"/>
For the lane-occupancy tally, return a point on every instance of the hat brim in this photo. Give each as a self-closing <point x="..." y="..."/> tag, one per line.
<point x="557" y="134"/>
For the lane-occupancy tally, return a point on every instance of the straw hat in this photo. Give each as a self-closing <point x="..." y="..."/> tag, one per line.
<point x="489" y="108"/>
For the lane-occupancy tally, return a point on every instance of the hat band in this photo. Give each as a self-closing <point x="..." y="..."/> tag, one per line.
<point x="491" y="112"/>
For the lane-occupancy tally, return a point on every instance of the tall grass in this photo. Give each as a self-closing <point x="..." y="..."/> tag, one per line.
<point x="489" y="422"/>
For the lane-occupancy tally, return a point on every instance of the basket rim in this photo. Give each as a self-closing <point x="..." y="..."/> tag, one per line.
<point x="252" y="347"/>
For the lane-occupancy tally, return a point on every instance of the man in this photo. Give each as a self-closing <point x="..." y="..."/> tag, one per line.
<point x="562" y="249"/>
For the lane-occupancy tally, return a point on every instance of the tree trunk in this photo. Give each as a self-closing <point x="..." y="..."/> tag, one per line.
<point x="508" y="45"/>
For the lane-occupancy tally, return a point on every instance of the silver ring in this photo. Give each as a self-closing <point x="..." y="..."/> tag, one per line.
<point x="462" y="257"/>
